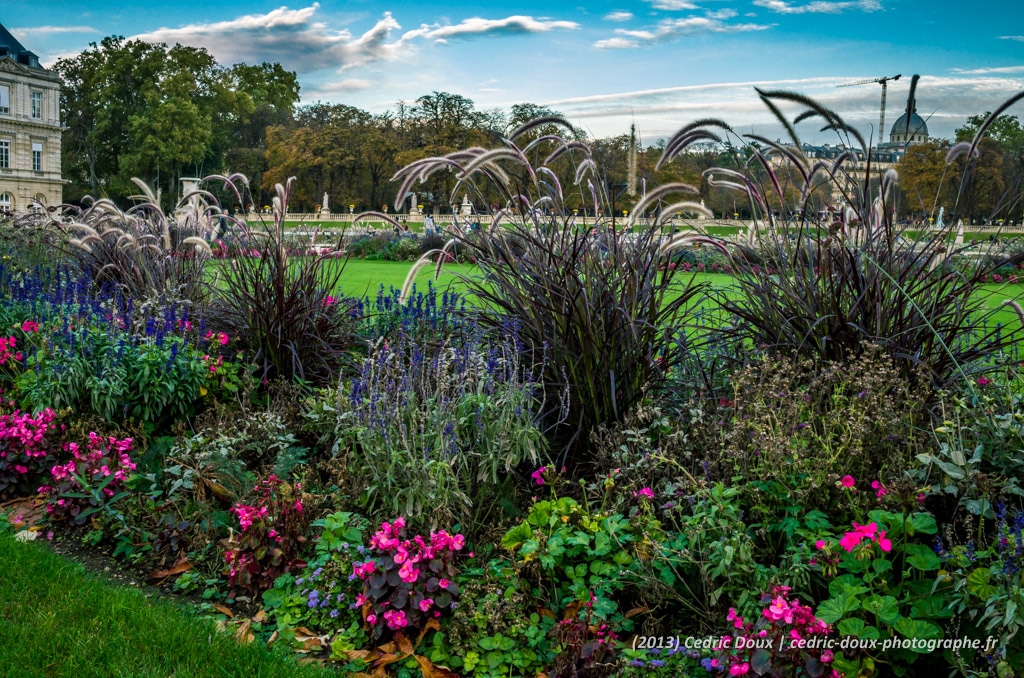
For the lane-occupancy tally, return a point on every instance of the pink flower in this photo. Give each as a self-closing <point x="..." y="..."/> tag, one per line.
<point x="883" y="543"/>
<point x="223" y="338"/>
<point x="408" y="573"/>
<point x="848" y="481"/>
<point x="984" y="381"/>
<point x="371" y="619"/>
<point x="646" y="493"/>
<point x="879" y="488"/>
<point x="739" y="669"/>
<point x="538" y="475"/>
<point x="443" y="583"/>
<point x="826" y="656"/>
<point x="30" y="326"/>
<point x="820" y="544"/>
<point x="425" y="604"/>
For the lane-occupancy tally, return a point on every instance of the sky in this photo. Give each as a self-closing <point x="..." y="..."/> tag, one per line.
<point x="660" y="64"/>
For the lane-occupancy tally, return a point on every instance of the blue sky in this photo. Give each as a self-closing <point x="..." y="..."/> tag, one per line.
<point x="662" y="63"/>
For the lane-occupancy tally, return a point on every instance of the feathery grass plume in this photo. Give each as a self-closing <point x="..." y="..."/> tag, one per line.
<point x="598" y="310"/>
<point x="141" y="251"/>
<point x="283" y="312"/>
<point x="825" y="289"/>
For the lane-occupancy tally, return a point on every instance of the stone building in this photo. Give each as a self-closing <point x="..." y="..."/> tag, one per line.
<point x="30" y="129"/>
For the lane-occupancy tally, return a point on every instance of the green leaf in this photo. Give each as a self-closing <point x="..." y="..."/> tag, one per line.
<point x="916" y="628"/>
<point x="924" y="523"/>
<point x="884" y="607"/>
<point x="831" y="611"/>
<point x="857" y="627"/>
<point x="978" y="583"/>
<point x="922" y="557"/>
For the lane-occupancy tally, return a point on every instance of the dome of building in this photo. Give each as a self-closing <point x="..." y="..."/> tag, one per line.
<point x="916" y="131"/>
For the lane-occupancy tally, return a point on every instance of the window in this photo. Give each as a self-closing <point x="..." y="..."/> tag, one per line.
<point x="5" y="99"/>
<point x="37" y="105"/>
<point x="5" y="154"/>
<point x="37" y="156"/>
<point x="6" y="203"/>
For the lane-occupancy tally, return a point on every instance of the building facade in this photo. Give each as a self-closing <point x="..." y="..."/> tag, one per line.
<point x="30" y="129"/>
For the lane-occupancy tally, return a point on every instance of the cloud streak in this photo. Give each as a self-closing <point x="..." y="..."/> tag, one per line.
<point x="820" y="7"/>
<point x="43" y="31"/>
<point x="618" y="16"/>
<point x="513" y="25"/>
<point x="669" y="30"/>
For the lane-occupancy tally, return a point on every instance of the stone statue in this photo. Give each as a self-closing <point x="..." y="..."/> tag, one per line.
<point x="325" y="206"/>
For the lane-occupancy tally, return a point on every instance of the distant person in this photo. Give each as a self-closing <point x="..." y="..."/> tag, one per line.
<point x="428" y="225"/>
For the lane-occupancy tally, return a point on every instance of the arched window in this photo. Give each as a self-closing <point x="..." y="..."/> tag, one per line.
<point x="6" y="203"/>
<point x="38" y="203"/>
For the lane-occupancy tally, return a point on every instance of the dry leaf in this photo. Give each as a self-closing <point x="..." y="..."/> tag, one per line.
<point x="223" y="609"/>
<point x="637" y="610"/>
<point x="260" y="617"/>
<point x="244" y="633"/>
<point x="178" y="568"/>
<point x="431" y="670"/>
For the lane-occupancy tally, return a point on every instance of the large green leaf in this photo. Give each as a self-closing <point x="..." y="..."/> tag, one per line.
<point x="922" y="557"/>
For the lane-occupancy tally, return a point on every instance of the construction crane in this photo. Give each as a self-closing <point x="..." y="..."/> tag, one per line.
<point x="881" y="115"/>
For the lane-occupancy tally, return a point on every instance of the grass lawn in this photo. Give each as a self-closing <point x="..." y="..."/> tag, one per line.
<point x="56" y="619"/>
<point x="363" y="278"/>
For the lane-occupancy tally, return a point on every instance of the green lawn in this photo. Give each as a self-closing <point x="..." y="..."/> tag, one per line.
<point x="362" y="278"/>
<point x="56" y="619"/>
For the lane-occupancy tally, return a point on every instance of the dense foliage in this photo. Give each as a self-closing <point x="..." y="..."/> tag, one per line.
<point x="574" y="471"/>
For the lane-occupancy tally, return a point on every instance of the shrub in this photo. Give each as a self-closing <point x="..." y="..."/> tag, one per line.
<point x="141" y="252"/>
<point x="92" y="480"/>
<point x="598" y="308"/>
<point x="407" y="583"/>
<point x="271" y="539"/>
<point x="826" y="290"/>
<point x="281" y="311"/>
<point x="99" y="369"/>
<point x="24" y="446"/>
<point x="807" y="425"/>
<point x="433" y="435"/>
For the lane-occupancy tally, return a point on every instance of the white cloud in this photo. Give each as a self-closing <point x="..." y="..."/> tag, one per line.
<point x="672" y="29"/>
<point x="722" y="14"/>
<point x="616" y="43"/>
<point x="40" y="31"/>
<point x="1005" y="70"/>
<point x="819" y="7"/>
<point x="513" y="25"/>
<point x="672" y="5"/>
<point x="289" y="36"/>
<point x="328" y="89"/>
<point x="618" y="16"/>
<point x="1018" y="38"/>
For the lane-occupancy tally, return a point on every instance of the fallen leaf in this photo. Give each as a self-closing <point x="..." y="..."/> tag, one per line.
<point x="260" y="617"/>
<point x="223" y="609"/>
<point x="637" y="610"/>
<point x="244" y="633"/>
<point x="431" y="670"/>
<point x="171" y="571"/>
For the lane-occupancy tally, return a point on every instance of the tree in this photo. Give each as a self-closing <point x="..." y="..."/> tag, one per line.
<point x="133" y="108"/>
<point x="925" y="180"/>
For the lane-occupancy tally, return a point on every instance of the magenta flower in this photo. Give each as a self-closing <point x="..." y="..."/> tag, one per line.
<point x="646" y="493"/>
<point x="538" y="475"/>
<point x="984" y="381"/>
<point x="848" y="481"/>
